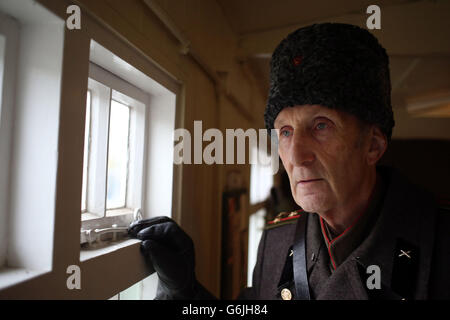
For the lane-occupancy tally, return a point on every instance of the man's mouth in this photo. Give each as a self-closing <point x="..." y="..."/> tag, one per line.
<point x="306" y="181"/>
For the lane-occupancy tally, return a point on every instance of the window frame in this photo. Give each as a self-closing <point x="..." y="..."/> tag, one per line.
<point x="9" y="30"/>
<point x="84" y="186"/>
<point x="101" y="278"/>
<point x="137" y="100"/>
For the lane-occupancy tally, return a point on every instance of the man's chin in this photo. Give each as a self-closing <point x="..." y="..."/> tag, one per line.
<point x="313" y="204"/>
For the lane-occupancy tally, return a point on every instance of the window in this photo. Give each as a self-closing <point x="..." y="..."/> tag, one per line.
<point x="261" y="177"/>
<point x="127" y="163"/>
<point x="261" y="182"/>
<point x="142" y="290"/>
<point x="42" y="122"/>
<point x="118" y="155"/>
<point x="113" y="150"/>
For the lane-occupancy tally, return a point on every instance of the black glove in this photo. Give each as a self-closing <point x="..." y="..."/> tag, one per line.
<point x="171" y="251"/>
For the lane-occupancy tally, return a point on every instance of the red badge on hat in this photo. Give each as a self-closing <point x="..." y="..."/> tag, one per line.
<point x="297" y="60"/>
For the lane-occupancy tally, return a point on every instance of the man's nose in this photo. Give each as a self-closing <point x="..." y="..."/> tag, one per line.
<point x="301" y="152"/>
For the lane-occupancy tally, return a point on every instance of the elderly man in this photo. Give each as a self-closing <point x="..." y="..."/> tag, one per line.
<point x="364" y="232"/>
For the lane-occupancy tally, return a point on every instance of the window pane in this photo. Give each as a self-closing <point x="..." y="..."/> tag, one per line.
<point x="118" y="155"/>
<point x="261" y="178"/>
<point x="87" y="134"/>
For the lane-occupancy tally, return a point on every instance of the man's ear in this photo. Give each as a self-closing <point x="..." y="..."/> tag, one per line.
<point x="377" y="145"/>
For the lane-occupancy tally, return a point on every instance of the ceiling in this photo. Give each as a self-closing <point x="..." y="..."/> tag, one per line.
<point x="416" y="35"/>
<point x="251" y="16"/>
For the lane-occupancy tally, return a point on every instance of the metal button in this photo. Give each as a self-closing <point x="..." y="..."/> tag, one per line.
<point x="286" y="294"/>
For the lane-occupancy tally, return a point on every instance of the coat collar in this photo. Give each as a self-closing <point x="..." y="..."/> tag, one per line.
<point x="406" y="217"/>
<point x="342" y="245"/>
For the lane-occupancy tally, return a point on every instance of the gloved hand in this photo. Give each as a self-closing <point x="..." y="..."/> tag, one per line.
<point x="171" y="251"/>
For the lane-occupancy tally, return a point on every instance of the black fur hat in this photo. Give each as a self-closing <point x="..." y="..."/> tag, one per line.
<point x="336" y="65"/>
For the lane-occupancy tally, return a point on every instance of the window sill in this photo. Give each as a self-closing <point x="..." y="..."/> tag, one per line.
<point x="122" y="219"/>
<point x="118" y="212"/>
<point x="90" y="253"/>
<point x="13" y="276"/>
<point x="112" y="269"/>
<point x="104" y="272"/>
<point x="85" y="216"/>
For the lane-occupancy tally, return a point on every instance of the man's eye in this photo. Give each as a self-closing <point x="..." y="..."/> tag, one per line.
<point x="321" y="126"/>
<point x="285" y="133"/>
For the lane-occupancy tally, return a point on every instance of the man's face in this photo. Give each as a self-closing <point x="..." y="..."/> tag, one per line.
<point x="324" y="153"/>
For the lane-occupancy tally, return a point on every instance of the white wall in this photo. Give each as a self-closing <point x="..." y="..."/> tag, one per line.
<point x="161" y="125"/>
<point x="35" y="147"/>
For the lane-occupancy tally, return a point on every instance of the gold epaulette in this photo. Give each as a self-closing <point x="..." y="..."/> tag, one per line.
<point x="284" y="218"/>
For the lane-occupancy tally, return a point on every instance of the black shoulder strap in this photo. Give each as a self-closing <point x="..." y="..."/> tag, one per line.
<point x="299" y="261"/>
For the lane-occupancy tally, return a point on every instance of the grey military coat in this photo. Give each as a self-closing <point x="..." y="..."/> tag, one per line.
<point x="409" y="242"/>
